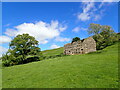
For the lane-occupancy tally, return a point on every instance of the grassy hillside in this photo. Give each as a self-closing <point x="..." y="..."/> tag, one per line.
<point x="53" y="52"/>
<point x="0" y="74"/>
<point x="95" y="70"/>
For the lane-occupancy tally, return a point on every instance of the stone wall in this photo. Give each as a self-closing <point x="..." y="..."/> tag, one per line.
<point x="80" y="47"/>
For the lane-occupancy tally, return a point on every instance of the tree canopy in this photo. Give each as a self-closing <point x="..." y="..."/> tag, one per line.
<point x="94" y="28"/>
<point x="104" y="35"/>
<point x="22" y="47"/>
<point x="75" y="39"/>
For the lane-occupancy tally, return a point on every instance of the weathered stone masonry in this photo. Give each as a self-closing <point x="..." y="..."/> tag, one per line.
<point x="80" y="47"/>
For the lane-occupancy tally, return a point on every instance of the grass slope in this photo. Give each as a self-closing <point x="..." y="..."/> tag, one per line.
<point x="0" y="74"/>
<point x="95" y="70"/>
<point x="53" y="52"/>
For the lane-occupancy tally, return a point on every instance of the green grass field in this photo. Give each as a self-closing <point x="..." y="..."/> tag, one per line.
<point x="94" y="70"/>
<point x="0" y="74"/>
<point x="53" y="52"/>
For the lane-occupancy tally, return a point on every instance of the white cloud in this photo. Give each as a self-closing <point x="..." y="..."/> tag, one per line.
<point x="43" y="42"/>
<point x="61" y="39"/>
<point x="101" y="5"/>
<point x="87" y="0"/>
<point x="54" y="46"/>
<point x="63" y="28"/>
<point x="87" y="9"/>
<point x="88" y="6"/>
<point x="97" y="17"/>
<point x="4" y="39"/>
<point x="42" y="31"/>
<point x="107" y="0"/>
<point x="84" y="16"/>
<point x="10" y="32"/>
<point x="77" y="29"/>
<point x="84" y="29"/>
<point x="90" y="11"/>
<point x="2" y="50"/>
<point x="99" y="0"/>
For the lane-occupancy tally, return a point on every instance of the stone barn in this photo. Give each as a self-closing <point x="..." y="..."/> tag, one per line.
<point x="80" y="47"/>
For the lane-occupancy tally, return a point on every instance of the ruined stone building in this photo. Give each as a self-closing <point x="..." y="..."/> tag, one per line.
<point x="80" y="47"/>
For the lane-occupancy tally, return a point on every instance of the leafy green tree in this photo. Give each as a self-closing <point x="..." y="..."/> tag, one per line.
<point x="94" y="29"/>
<point x="24" y="45"/>
<point x="118" y="36"/>
<point x="21" y="48"/>
<point x="75" y="39"/>
<point x="104" y="35"/>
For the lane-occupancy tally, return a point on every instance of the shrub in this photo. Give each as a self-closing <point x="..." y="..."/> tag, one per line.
<point x="6" y="63"/>
<point x="10" y="60"/>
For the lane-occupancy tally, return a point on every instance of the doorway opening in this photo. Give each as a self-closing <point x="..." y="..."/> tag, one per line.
<point x="81" y="51"/>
